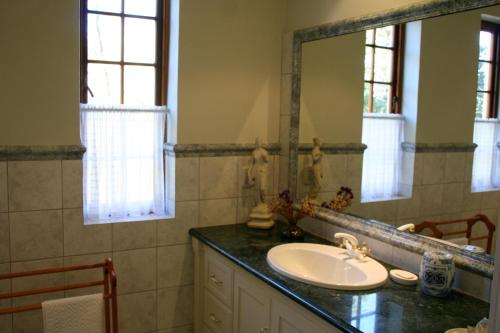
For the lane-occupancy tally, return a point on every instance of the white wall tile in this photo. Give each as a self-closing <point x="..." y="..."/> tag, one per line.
<point x="175" y="307"/>
<point x="218" y="212"/>
<point x="137" y="312"/>
<point x="409" y="208"/>
<point x="38" y="281"/>
<point x="34" y="185"/>
<point x="245" y="206"/>
<point x="490" y="199"/>
<point x="471" y="200"/>
<point x="418" y="170"/>
<point x="135" y="270"/>
<point x="4" y="201"/>
<point x="454" y="167"/>
<point x="354" y="170"/>
<point x="175" y="266"/>
<point x="334" y="171"/>
<point x="383" y="210"/>
<point x="182" y="329"/>
<point x="84" y="239"/>
<point x="431" y="197"/>
<point x="84" y="275"/>
<point x="218" y="177"/>
<point x="134" y="235"/>
<point x="433" y="168"/>
<point x="187" y="178"/>
<point x="406" y="260"/>
<point x="469" y="158"/>
<point x="472" y="284"/>
<point x="453" y="197"/>
<point x="72" y="180"/>
<point x="4" y="238"/>
<point x="36" y="235"/>
<point x="176" y="231"/>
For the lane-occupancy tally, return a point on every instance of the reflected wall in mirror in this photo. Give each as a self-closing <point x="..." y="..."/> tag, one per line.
<point x="421" y="96"/>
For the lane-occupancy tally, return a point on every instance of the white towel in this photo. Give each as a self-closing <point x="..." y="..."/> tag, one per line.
<point x="82" y="314"/>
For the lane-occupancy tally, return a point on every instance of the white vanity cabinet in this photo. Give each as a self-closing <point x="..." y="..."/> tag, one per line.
<point x="252" y="306"/>
<point x="229" y="299"/>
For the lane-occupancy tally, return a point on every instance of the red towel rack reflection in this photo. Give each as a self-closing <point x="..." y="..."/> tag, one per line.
<point x="470" y="222"/>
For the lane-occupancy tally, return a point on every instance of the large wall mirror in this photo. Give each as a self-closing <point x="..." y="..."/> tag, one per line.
<point x="407" y="116"/>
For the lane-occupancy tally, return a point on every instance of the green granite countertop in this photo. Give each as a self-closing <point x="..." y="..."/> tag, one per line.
<point x="390" y="308"/>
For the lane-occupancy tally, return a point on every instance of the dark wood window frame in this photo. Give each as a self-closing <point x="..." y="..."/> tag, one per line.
<point x="397" y="70"/>
<point x="493" y="90"/>
<point x="161" y="57"/>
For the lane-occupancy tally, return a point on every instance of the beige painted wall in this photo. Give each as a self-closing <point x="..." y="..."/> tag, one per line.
<point x="446" y="92"/>
<point x="229" y="70"/>
<point x="332" y="89"/>
<point x="39" y="72"/>
<point x="448" y="78"/>
<point x="303" y="14"/>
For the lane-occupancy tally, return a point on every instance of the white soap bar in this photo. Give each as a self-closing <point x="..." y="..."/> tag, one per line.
<point x="403" y="277"/>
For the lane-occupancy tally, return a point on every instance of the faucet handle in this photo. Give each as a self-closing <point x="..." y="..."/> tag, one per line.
<point x="365" y="251"/>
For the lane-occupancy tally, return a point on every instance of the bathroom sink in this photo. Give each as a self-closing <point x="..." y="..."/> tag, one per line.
<point x="326" y="266"/>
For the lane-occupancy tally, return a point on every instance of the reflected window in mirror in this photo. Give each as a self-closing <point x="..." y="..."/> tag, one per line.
<point x="383" y="69"/>
<point x="487" y="74"/>
<point x="485" y="171"/>
<point x="382" y="120"/>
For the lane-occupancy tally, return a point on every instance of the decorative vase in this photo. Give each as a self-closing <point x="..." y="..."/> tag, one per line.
<point x="436" y="273"/>
<point x="292" y="230"/>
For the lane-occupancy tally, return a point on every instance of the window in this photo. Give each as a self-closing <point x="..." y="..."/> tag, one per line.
<point x="383" y="69"/>
<point x="485" y="170"/>
<point x="123" y="67"/>
<point x="382" y="122"/>
<point x="487" y="74"/>
<point x="123" y="52"/>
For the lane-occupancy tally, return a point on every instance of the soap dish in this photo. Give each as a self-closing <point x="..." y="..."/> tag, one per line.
<point x="403" y="277"/>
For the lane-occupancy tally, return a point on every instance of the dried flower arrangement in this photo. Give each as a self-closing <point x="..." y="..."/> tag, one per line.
<point x="341" y="201"/>
<point x="284" y="206"/>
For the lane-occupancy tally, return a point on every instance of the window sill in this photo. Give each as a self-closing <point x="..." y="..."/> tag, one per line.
<point x="485" y="189"/>
<point x="394" y="198"/>
<point x="130" y="219"/>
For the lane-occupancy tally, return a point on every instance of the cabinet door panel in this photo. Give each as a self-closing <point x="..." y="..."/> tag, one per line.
<point x="251" y="307"/>
<point x="285" y="319"/>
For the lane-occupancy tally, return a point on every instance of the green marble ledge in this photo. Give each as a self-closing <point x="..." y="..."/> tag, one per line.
<point x="390" y="308"/>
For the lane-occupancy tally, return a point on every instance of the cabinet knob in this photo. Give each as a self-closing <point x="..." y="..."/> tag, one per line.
<point x="215" y="280"/>
<point x="214" y="318"/>
<point x="264" y="330"/>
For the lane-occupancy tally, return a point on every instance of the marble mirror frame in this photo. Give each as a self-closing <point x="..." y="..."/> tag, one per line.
<point x="481" y="264"/>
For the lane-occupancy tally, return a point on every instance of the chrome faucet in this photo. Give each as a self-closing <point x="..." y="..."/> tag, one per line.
<point x="350" y="243"/>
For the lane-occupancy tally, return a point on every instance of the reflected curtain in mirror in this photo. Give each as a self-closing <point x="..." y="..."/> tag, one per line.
<point x="382" y="159"/>
<point x="485" y="173"/>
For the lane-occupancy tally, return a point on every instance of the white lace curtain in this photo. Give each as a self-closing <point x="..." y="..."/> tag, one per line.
<point x="123" y="166"/>
<point x="485" y="170"/>
<point x="383" y="134"/>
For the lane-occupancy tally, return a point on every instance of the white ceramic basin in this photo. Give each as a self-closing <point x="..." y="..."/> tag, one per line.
<point x="326" y="266"/>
